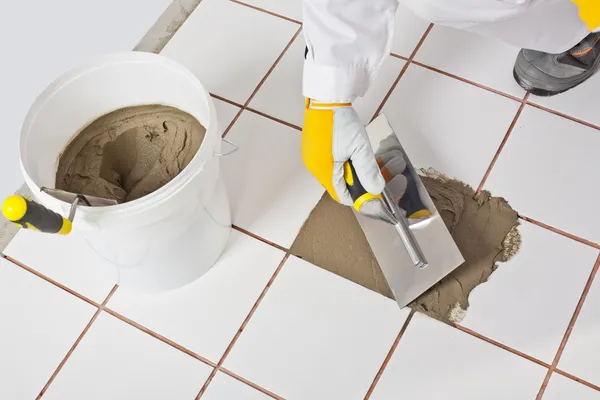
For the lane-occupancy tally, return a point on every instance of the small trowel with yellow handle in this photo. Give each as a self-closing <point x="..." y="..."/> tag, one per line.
<point x="404" y="229"/>
<point x="384" y="208"/>
<point x="28" y="214"/>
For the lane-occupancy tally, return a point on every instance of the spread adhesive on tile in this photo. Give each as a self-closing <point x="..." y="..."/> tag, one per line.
<point x="129" y="153"/>
<point x="484" y="228"/>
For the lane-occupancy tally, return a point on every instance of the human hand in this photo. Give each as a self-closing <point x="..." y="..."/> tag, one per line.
<point x="333" y="134"/>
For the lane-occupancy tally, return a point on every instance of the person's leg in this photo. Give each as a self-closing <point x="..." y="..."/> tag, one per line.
<point x="559" y="50"/>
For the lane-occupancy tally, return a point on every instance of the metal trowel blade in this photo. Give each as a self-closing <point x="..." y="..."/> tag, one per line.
<point x="69" y="197"/>
<point x="434" y="239"/>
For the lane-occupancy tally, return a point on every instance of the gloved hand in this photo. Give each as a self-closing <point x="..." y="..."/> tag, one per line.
<point x="332" y="135"/>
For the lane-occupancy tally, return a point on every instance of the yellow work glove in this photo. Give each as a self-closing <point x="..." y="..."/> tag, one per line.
<point x="332" y="135"/>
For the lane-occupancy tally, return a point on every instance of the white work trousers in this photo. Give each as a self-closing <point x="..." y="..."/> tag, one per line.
<point x="348" y="40"/>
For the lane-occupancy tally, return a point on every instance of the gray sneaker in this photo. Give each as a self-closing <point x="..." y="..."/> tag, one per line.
<point x="544" y="74"/>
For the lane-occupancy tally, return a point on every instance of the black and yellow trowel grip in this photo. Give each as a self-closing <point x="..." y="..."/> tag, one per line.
<point x="358" y="193"/>
<point x="31" y="215"/>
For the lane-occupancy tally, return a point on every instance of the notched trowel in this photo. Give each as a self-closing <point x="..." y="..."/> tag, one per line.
<point x="404" y="229"/>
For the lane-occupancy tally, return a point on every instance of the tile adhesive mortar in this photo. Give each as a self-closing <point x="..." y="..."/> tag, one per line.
<point x="130" y="152"/>
<point x="483" y="227"/>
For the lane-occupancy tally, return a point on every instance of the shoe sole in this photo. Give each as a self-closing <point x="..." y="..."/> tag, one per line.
<point x="536" y="90"/>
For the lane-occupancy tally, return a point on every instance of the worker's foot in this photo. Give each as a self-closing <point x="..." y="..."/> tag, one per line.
<point x="544" y="74"/>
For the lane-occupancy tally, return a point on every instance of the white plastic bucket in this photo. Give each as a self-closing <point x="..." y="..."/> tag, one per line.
<point x="163" y="240"/>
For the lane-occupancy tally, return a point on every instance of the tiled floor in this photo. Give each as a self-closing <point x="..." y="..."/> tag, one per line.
<point x="262" y="324"/>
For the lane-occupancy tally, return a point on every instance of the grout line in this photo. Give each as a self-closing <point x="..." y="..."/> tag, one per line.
<point x="72" y="349"/>
<point x="502" y="346"/>
<point x="242" y="230"/>
<point x="260" y="84"/>
<point x="560" y="232"/>
<point x="262" y="114"/>
<point x="242" y="327"/>
<point x="233" y="121"/>
<point x="264" y="79"/>
<point x="421" y="41"/>
<point x="389" y="93"/>
<point x="569" y="117"/>
<point x="249" y="383"/>
<point x="389" y="355"/>
<point x="102" y="307"/>
<point x="502" y="144"/>
<point x="223" y="99"/>
<point x="473" y="83"/>
<point x="400" y="57"/>
<point x="409" y="60"/>
<point x="576" y="379"/>
<point x="266" y="11"/>
<point x="569" y="330"/>
<point x="52" y="281"/>
<point x="158" y="336"/>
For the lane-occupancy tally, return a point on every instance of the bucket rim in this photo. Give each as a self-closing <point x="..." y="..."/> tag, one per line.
<point x="108" y="60"/>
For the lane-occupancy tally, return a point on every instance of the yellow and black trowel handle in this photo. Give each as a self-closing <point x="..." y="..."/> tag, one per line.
<point x="28" y="214"/>
<point x="375" y="206"/>
<point x="359" y="194"/>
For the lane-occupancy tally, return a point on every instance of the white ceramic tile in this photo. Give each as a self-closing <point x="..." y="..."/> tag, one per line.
<point x="408" y="31"/>
<point x="448" y="125"/>
<point x="225" y="113"/>
<point x="582" y="353"/>
<point x="528" y="302"/>
<point x="40" y="323"/>
<point x="281" y="95"/>
<point x="230" y="47"/>
<point x="436" y="361"/>
<point x="287" y="8"/>
<point x="205" y="315"/>
<point x="577" y="102"/>
<point x="549" y="168"/>
<point x="366" y="106"/>
<point x="477" y="58"/>
<point x="562" y="388"/>
<point x="316" y="336"/>
<point x="119" y="362"/>
<point x="270" y="190"/>
<point x="224" y="387"/>
<point x="66" y="259"/>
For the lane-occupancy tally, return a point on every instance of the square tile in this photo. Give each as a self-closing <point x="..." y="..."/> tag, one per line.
<point x="205" y="315"/>
<point x="68" y="260"/>
<point x="436" y="361"/>
<point x="40" y="323"/>
<point x="582" y="353"/>
<point x="368" y="105"/>
<point x="448" y="125"/>
<point x="281" y="95"/>
<point x="225" y="113"/>
<point x="287" y="8"/>
<point x="528" y="302"/>
<point x="576" y="102"/>
<point x="229" y="47"/>
<point x="270" y="190"/>
<point x="119" y="362"/>
<point x="316" y="336"/>
<point x="548" y="163"/>
<point x="562" y="388"/>
<point x="224" y="387"/>
<point x="408" y="30"/>
<point x="483" y="60"/>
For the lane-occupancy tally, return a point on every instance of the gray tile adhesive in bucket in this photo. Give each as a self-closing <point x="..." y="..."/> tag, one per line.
<point x="152" y="42"/>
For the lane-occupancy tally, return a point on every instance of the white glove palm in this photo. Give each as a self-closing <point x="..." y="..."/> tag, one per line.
<point x="332" y="135"/>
